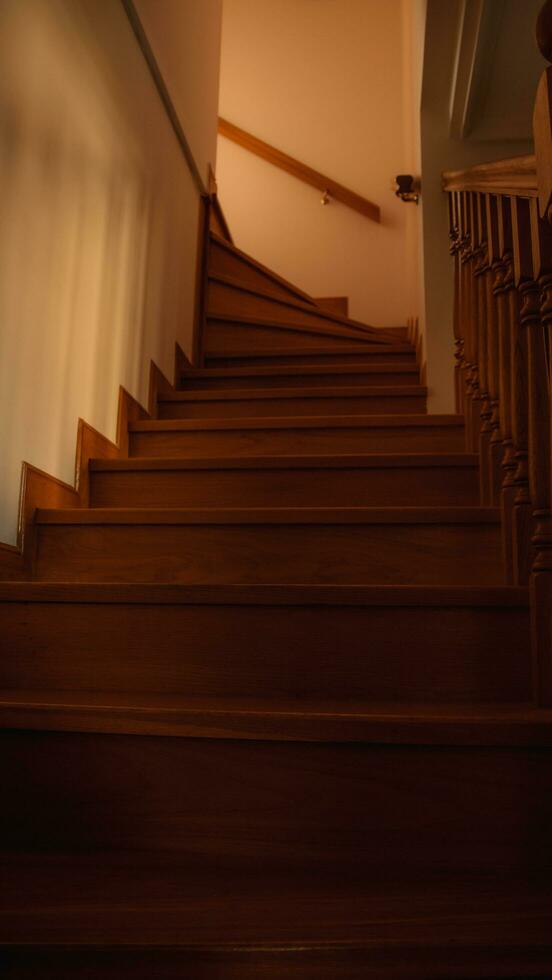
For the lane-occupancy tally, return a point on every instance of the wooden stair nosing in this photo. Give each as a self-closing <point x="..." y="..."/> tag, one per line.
<point x="296" y="462"/>
<point x="168" y="593"/>
<point x="488" y="724"/>
<point x="269" y="515"/>
<point x="301" y="422"/>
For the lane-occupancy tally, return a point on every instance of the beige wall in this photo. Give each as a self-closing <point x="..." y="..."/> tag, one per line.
<point x="185" y="37"/>
<point x="98" y="232"/>
<point x="321" y="80"/>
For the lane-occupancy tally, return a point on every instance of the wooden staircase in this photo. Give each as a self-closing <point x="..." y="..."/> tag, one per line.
<point x="266" y="698"/>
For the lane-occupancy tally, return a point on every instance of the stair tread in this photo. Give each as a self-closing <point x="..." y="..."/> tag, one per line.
<point x="275" y="719"/>
<point x="361" y="333"/>
<point x="147" y="899"/>
<point x="295" y="461"/>
<point x="342" y="391"/>
<point x="269" y="515"/>
<point x="329" y="349"/>
<point x="300" y="422"/>
<point x="291" y="370"/>
<point x="263" y="269"/>
<point x="324" y="595"/>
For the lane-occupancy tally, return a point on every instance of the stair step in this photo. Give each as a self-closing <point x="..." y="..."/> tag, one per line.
<point x="227" y="260"/>
<point x="407" y="643"/>
<point x="270" y="719"/>
<point x="157" y="920"/>
<point x="286" y="481"/>
<point x="324" y="354"/>
<point x="274" y="402"/>
<point x="287" y="805"/>
<point x="357" y="545"/>
<point x="229" y="297"/>
<point x="317" y="434"/>
<point x="300" y="376"/>
<point x="301" y="332"/>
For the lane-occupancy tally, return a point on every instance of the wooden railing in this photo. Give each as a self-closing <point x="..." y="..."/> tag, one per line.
<point x="324" y="184"/>
<point x="501" y="241"/>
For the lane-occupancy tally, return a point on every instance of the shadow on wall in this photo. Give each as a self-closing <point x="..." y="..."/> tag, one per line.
<point x="97" y="221"/>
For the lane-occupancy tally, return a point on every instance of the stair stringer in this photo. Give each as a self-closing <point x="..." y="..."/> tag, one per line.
<point x="40" y="489"/>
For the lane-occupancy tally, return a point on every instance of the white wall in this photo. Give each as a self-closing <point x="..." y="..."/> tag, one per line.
<point x="185" y="37"/>
<point x="321" y="80"/>
<point x="98" y="232"/>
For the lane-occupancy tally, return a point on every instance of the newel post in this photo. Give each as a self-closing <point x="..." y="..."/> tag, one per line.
<point x="541" y="580"/>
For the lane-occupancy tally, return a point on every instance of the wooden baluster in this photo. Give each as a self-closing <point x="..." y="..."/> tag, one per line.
<point x="540" y="453"/>
<point x="540" y="428"/>
<point x="454" y="248"/>
<point x="467" y="316"/>
<point x="481" y="271"/>
<point x="522" y="311"/>
<point x="475" y="317"/>
<point x="494" y="285"/>
<point x="502" y="290"/>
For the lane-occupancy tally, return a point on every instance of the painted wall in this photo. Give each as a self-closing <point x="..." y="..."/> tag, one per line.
<point x="98" y="234"/>
<point x="321" y="80"/>
<point x="185" y="37"/>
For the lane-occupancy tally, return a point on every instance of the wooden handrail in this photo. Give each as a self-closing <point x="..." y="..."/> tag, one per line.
<point x="501" y="242"/>
<point x="299" y="170"/>
<point x="517" y="176"/>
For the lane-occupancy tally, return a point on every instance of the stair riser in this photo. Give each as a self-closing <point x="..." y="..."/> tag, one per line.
<point x="430" y="554"/>
<point x="400" y="358"/>
<point x="286" y="805"/>
<point x="228" y="300"/>
<point x="317" y="487"/>
<point x="266" y="442"/>
<point x="224" y="263"/>
<point x="412" y="404"/>
<point x="230" y="383"/>
<point x="412" y="962"/>
<point x="226" y="335"/>
<point x="398" y="653"/>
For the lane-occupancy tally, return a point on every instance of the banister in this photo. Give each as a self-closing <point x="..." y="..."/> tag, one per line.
<point x="501" y="243"/>
<point x="300" y="170"/>
<point x="516" y="176"/>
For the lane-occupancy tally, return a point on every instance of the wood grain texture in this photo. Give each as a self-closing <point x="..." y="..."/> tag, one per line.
<point x="323" y="400"/>
<point x="273" y="807"/>
<point x="261" y="437"/>
<point x="227" y="259"/>
<point x="287" y="482"/>
<point x="299" y="170"/>
<point x="382" y="547"/>
<point x="297" y="375"/>
<point x="324" y="643"/>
